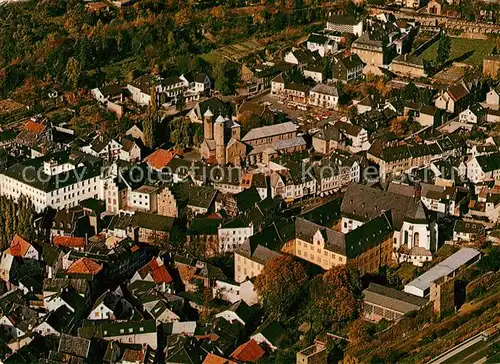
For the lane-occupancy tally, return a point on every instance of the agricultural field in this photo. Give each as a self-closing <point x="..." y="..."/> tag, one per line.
<point x="471" y="51"/>
<point x="235" y="52"/>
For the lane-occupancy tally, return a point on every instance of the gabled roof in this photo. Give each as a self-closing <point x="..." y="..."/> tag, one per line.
<point x="202" y="225"/>
<point x="317" y="38"/>
<point x="351" y="61"/>
<point x="146" y="220"/>
<point x="334" y="240"/>
<point x="364" y="203"/>
<point x="242" y="310"/>
<point x="348" y="128"/>
<point x="409" y="59"/>
<point x="457" y="92"/>
<point x="248" y="352"/>
<point x="216" y="359"/>
<point x="325" y="89"/>
<point x="247" y="199"/>
<point x="269" y="131"/>
<point x="84" y="266"/>
<point x="18" y="247"/>
<point x="73" y="345"/>
<point x="469" y="227"/>
<point x="34" y="127"/>
<point x="112" y="329"/>
<point x="489" y="163"/>
<point x="160" y="158"/>
<point x="344" y="19"/>
<point x="110" y="90"/>
<point x="69" y="241"/>
<point x="60" y="318"/>
<point x="144" y="83"/>
<point x="56" y="284"/>
<point x="217" y="107"/>
<point x="368" y="235"/>
<point x="392" y="299"/>
<point x="477" y="110"/>
<point x="304" y="56"/>
<point x="195" y="77"/>
<point x="172" y="80"/>
<point x="329" y="132"/>
<point x="99" y="143"/>
<point x="158" y="272"/>
<point x="272" y="331"/>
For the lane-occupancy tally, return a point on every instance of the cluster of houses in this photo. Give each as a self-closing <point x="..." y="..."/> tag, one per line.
<point x="67" y="301"/>
<point x="168" y="92"/>
<point x="103" y="280"/>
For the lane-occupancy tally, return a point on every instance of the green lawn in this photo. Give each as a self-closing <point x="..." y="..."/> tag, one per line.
<point x="479" y="48"/>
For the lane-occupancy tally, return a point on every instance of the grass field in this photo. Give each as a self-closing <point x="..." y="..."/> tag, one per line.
<point x="234" y="51"/>
<point x="477" y="48"/>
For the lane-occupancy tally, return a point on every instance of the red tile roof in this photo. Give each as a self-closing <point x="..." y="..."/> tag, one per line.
<point x="34" y="127"/>
<point x="215" y="359"/>
<point x="69" y="241"/>
<point x="248" y="352"/>
<point x="18" y="247"/>
<point x="160" y="158"/>
<point x="84" y="266"/>
<point x="158" y="272"/>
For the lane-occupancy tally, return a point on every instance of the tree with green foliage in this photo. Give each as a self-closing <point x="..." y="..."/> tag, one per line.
<point x="468" y="9"/>
<point x="197" y="134"/>
<point x="151" y="120"/>
<point x="180" y="133"/>
<point x="281" y="285"/>
<point x="180" y="103"/>
<point x="444" y="49"/>
<point x="225" y="74"/>
<point x="16" y="218"/>
<point x="73" y="72"/>
<point x="327" y="68"/>
<point x="410" y="92"/>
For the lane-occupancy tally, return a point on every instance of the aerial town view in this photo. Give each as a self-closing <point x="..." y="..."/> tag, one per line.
<point x="257" y="181"/>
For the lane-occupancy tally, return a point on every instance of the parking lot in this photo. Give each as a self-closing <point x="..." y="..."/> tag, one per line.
<point x="310" y="118"/>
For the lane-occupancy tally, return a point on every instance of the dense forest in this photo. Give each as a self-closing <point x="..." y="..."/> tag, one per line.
<point x="59" y="44"/>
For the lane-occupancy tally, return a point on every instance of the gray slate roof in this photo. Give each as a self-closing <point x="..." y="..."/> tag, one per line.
<point x="392" y="299"/>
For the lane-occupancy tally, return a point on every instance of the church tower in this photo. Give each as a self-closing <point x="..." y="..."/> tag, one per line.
<point x="208" y="131"/>
<point x="220" y="148"/>
<point x="236" y="131"/>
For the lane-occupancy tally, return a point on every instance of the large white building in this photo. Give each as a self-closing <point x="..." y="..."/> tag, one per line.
<point x="233" y="234"/>
<point x="326" y="96"/>
<point x="484" y="168"/>
<point x="345" y="24"/>
<point x="420" y="286"/>
<point x="415" y="229"/>
<point x="60" y="180"/>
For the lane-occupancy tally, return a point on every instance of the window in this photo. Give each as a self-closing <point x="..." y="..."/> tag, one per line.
<point x="416" y="240"/>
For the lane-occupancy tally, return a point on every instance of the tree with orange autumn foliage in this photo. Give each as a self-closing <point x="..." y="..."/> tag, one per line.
<point x="218" y="12"/>
<point x="182" y="17"/>
<point x="335" y="296"/>
<point x="357" y="332"/>
<point x="398" y="125"/>
<point x="280" y="285"/>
